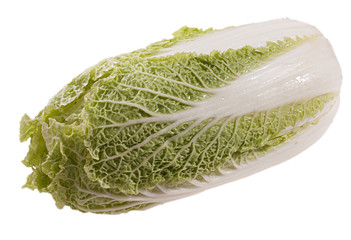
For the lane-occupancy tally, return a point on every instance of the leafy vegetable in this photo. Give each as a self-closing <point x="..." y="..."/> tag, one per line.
<point x="183" y="115"/>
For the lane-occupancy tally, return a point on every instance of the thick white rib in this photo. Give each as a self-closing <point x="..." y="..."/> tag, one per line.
<point x="307" y="71"/>
<point x="256" y="35"/>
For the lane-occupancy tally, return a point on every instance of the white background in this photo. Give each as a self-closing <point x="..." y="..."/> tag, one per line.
<point x="44" y="44"/>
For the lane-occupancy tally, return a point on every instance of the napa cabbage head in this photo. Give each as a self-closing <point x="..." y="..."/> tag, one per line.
<point x="182" y="115"/>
